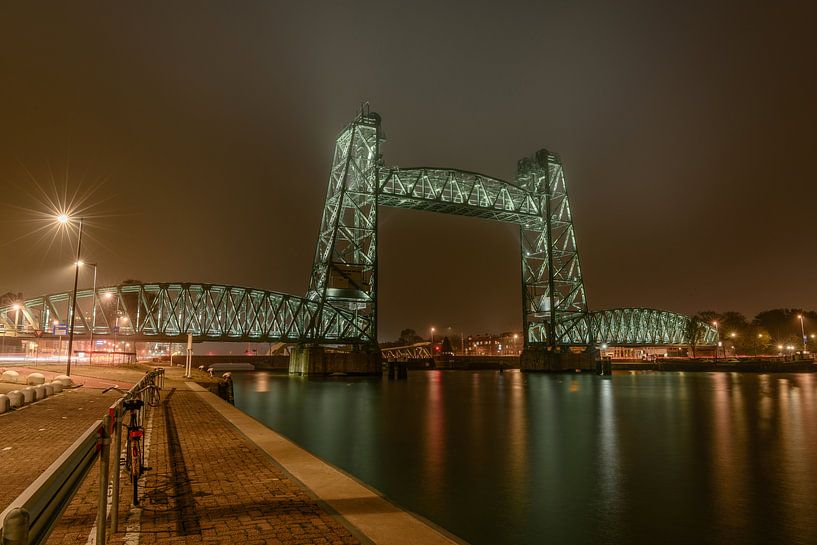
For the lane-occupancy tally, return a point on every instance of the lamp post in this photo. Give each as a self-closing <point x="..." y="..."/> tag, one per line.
<point x="718" y="346"/>
<point x="93" y="312"/>
<point x="16" y="308"/>
<point x="64" y="219"/>
<point x="803" y="331"/>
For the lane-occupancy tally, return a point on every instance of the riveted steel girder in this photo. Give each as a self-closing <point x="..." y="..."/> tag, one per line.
<point x="644" y="326"/>
<point x="170" y="311"/>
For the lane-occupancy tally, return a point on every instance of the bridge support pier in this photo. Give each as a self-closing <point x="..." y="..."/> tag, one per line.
<point x="316" y="360"/>
<point x="541" y="359"/>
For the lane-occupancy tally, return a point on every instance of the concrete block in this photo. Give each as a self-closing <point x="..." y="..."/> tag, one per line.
<point x="57" y="387"/>
<point x="29" y="396"/>
<point x="5" y="403"/>
<point x="16" y="399"/>
<point x="39" y="392"/>
<point x="49" y="389"/>
<point x="65" y="380"/>
<point x="35" y="379"/>
<point x="10" y="376"/>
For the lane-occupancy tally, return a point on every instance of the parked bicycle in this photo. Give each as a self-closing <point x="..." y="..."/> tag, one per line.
<point x="134" y="449"/>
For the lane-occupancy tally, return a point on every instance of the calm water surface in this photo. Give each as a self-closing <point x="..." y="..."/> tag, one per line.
<point x="532" y="458"/>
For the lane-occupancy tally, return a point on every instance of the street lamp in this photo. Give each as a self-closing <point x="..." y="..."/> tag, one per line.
<point x="432" y="337"/>
<point x="718" y="331"/>
<point x="64" y="219"/>
<point x="803" y="331"/>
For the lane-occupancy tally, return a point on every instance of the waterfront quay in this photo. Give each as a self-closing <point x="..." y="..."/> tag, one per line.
<point x="216" y="475"/>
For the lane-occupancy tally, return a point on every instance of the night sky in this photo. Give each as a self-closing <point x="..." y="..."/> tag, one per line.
<point x="200" y="136"/>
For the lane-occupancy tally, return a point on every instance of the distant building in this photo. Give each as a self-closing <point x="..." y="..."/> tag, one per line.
<point x="508" y="343"/>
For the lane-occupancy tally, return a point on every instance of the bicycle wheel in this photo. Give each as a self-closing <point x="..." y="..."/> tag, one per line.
<point x="136" y="470"/>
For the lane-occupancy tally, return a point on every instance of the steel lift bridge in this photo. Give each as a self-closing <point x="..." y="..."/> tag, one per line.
<point x="340" y="306"/>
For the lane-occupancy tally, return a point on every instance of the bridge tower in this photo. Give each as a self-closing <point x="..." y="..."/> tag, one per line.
<point x="343" y="282"/>
<point x="344" y="270"/>
<point x="554" y="313"/>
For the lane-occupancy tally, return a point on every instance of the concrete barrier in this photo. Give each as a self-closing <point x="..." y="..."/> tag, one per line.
<point x="11" y="376"/>
<point x="40" y="392"/>
<point x="35" y="378"/>
<point x="49" y="389"/>
<point x="65" y="380"/>
<point x="5" y="403"/>
<point x="29" y="396"/>
<point x="57" y="387"/>
<point x="16" y="399"/>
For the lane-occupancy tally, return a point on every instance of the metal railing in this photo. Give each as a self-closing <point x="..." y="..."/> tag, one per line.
<point x="31" y="517"/>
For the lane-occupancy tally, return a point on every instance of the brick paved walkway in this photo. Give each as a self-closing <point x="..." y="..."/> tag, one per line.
<point x="208" y="484"/>
<point x="33" y="437"/>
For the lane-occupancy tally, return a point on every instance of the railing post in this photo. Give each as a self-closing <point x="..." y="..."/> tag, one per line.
<point x="104" y="465"/>
<point x="15" y="527"/>
<point x="117" y="451"/>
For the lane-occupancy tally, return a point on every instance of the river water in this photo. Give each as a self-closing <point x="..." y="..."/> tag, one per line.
<point x="659" y="458"/>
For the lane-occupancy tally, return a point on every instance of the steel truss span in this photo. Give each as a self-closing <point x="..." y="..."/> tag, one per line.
<point x="170" y="311"/>
<point x="645" y="327"/>
<point x="340" y="305"/>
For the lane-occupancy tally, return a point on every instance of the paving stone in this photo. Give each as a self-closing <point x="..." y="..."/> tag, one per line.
<point x="208" y="484"/>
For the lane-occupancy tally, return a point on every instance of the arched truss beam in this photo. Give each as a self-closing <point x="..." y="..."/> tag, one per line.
<point x="645" y="327"/>
<point x="169" y="311"/>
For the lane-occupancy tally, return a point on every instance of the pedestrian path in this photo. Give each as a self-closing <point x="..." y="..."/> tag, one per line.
<point x="208" y="484"/>
<point x="219" y="476"/>
<point x="32" y="437"/>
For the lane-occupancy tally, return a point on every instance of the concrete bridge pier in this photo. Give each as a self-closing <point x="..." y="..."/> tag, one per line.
<point x="305" y="360"/>
<point x="553" y="361"/>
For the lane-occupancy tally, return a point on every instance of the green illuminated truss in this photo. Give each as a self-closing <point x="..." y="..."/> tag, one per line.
<point x="171" y="311"/>
<point x="340" y="305"/>
<point x="345" y="268"/>
<point x="644" y="326"/>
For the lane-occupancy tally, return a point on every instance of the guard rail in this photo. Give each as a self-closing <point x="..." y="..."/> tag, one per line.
<point x="31" y="517"/>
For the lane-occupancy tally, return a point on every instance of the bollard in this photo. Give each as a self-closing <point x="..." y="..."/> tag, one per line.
<point x="104" y="443"/>
<point x="15" y="527"/>
<point x="117" y="449"/>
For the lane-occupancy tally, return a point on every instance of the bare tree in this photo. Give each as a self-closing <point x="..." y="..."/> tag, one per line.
<point x="693" y="332"/>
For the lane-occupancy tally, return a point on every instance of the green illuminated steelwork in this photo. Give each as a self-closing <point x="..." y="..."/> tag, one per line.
<point x="644" y="326"/>
<point x="553" y="298"/>
<point x="171" y="311"/>
<point x="341" y="302"/>
<point x="344" y="271"/>
<point x="231" y="313"/>
<point x="417" y="351"/>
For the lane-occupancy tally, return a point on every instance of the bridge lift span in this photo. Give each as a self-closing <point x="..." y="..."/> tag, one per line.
<point x="340" y="306"/>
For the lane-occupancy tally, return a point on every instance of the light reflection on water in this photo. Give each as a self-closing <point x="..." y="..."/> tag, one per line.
<point x="530" y="458"/>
